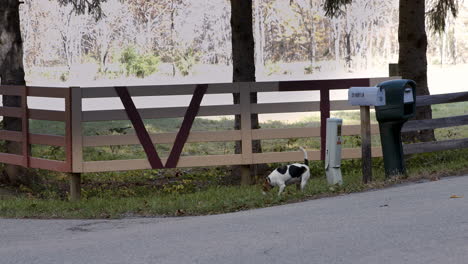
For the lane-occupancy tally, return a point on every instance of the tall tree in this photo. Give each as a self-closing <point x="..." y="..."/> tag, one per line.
<point x="412" y="39"/>
<point x="11" y="73"/>
<point x="243" y="59"/>
<point x="12" y="68"/>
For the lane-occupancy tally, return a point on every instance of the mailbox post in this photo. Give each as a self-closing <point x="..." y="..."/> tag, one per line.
<point x="365" y="97"/>
<point x="400" y="106"/>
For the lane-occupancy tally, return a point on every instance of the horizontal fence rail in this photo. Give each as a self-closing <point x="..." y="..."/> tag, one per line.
<point x="74" y="118"/>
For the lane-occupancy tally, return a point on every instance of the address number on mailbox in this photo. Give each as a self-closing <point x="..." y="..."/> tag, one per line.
<point x="366" y="96"/>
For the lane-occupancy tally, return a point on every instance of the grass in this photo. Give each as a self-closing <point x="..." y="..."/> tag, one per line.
<point x="202" y="191"/>
<point x="215" y="199"/>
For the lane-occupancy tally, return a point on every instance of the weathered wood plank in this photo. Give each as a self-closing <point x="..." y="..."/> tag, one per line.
<point x="324" y="114"/>
<point x="153" y="113"/>
<point x="48" y="140"/>
<point x="52" y="165"/>
<point x="49" y="115"/>
<point x="186" y="126"/>
<point x="288" y="156"/>
<point x="11" y="111"/>
<point x="246" y="123"/>
<point x="75" y="186"/>
<point x="14" y="159"/>
<point x="185" y="161"/>
<point x="366" y="144"/>
<point x="452" y="121"/>
<point x="341" y="105"/>
<point x="139" y="126"/>
<point x="265" y="87"/>
<point x="441" y="98"/>
<point x="262" y="134"/>
<point x="352" y="130"/>
<point x="68" y="130"/>
<point x="25" y="128"/>
<point x="376" y="81"/>
<point x="285" y="107"/>
<point x="162" y="138"/>
<point x="435" y="146"/>
<point x="76" y="129"/>
<point x="11" y="135"/>
<point x="15" y="90"/>
<point x="54" y="92"/>
<point x="220" y="88"/>
<point x="356" y="153"/>
<point x="330" y="84"/>
<point x="158" y="90"/>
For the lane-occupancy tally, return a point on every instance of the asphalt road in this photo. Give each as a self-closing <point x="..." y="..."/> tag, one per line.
<point x="416" y="223"/>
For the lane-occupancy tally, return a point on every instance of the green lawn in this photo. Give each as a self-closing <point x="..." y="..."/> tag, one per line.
<point x="198" y="191"/>
<point x="116" y="197"/>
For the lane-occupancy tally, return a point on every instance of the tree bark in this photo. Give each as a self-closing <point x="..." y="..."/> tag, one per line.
<point x="11" y="73"/>
<point x="243" y="58"/>
<point x="412" y="60"/>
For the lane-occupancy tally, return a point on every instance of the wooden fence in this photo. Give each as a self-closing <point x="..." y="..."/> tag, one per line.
<point x="74" y="117"/>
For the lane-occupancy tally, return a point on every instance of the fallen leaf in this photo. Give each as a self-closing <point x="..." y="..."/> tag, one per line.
<point x="456" y="196"/>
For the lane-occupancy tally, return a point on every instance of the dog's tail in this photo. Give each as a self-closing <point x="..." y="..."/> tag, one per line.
<point x="306" y="159"/>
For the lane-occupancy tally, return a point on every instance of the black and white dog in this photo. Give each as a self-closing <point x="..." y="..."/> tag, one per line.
<point x="288" y="174"/>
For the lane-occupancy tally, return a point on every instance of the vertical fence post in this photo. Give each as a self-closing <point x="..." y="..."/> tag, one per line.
<point x="366" y="144"/>
<point x="393" y="69"/>
<point x="246" y="132"/>
<point x="324" y="114"/>
<point x="74" y="141"/>
<point x="25" y="126"/>
<point x="75" y="187"/>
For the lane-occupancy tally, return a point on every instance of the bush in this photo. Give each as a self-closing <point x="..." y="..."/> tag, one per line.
<point x="140" y="65"/>
<point x="272" y="68"/>
<point x="185" y="61"/>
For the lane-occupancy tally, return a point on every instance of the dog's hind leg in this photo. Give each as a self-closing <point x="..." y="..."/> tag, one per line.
<point x="303" y="184"/>
<point x="304" y="180"/>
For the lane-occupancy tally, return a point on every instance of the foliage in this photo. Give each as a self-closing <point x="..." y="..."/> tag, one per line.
<point x="185" y="60"/>
<point x="333" y="8"/>
<point x="140" y="65"/>
<point x="287" y="31"/>
<point x="272" y="68"/>
<point x="106" y="202"/>
<point x="82" y="6"/>
<point x="438" y="13"/>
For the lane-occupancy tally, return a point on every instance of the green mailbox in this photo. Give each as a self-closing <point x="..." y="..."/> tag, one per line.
<point x="399" y="107"/>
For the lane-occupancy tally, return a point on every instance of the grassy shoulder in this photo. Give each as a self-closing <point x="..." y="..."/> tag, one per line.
<point x="121" y="198"/>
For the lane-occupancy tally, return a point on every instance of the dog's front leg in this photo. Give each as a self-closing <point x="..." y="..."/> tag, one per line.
<point x="281" y="188"/>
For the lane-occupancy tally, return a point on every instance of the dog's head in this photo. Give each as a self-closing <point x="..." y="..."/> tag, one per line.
<point x="266" y="185"/>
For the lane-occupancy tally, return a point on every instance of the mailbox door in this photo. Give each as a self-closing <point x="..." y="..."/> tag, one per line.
<point x="395" y="107"/>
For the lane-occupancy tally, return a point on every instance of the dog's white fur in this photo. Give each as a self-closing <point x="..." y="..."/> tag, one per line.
<point x="276" y="178"/>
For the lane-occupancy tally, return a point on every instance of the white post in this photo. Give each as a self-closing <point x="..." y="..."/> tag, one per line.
<point x="333" y="151"/>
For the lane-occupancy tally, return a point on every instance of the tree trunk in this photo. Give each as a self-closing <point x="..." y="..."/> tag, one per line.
<point x="11" y="73"/>
<point x="412" y="58"/>
<point x="243" y="58"/>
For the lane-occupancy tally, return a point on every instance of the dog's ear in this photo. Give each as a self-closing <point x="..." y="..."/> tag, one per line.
<point x="266" y="185"/>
